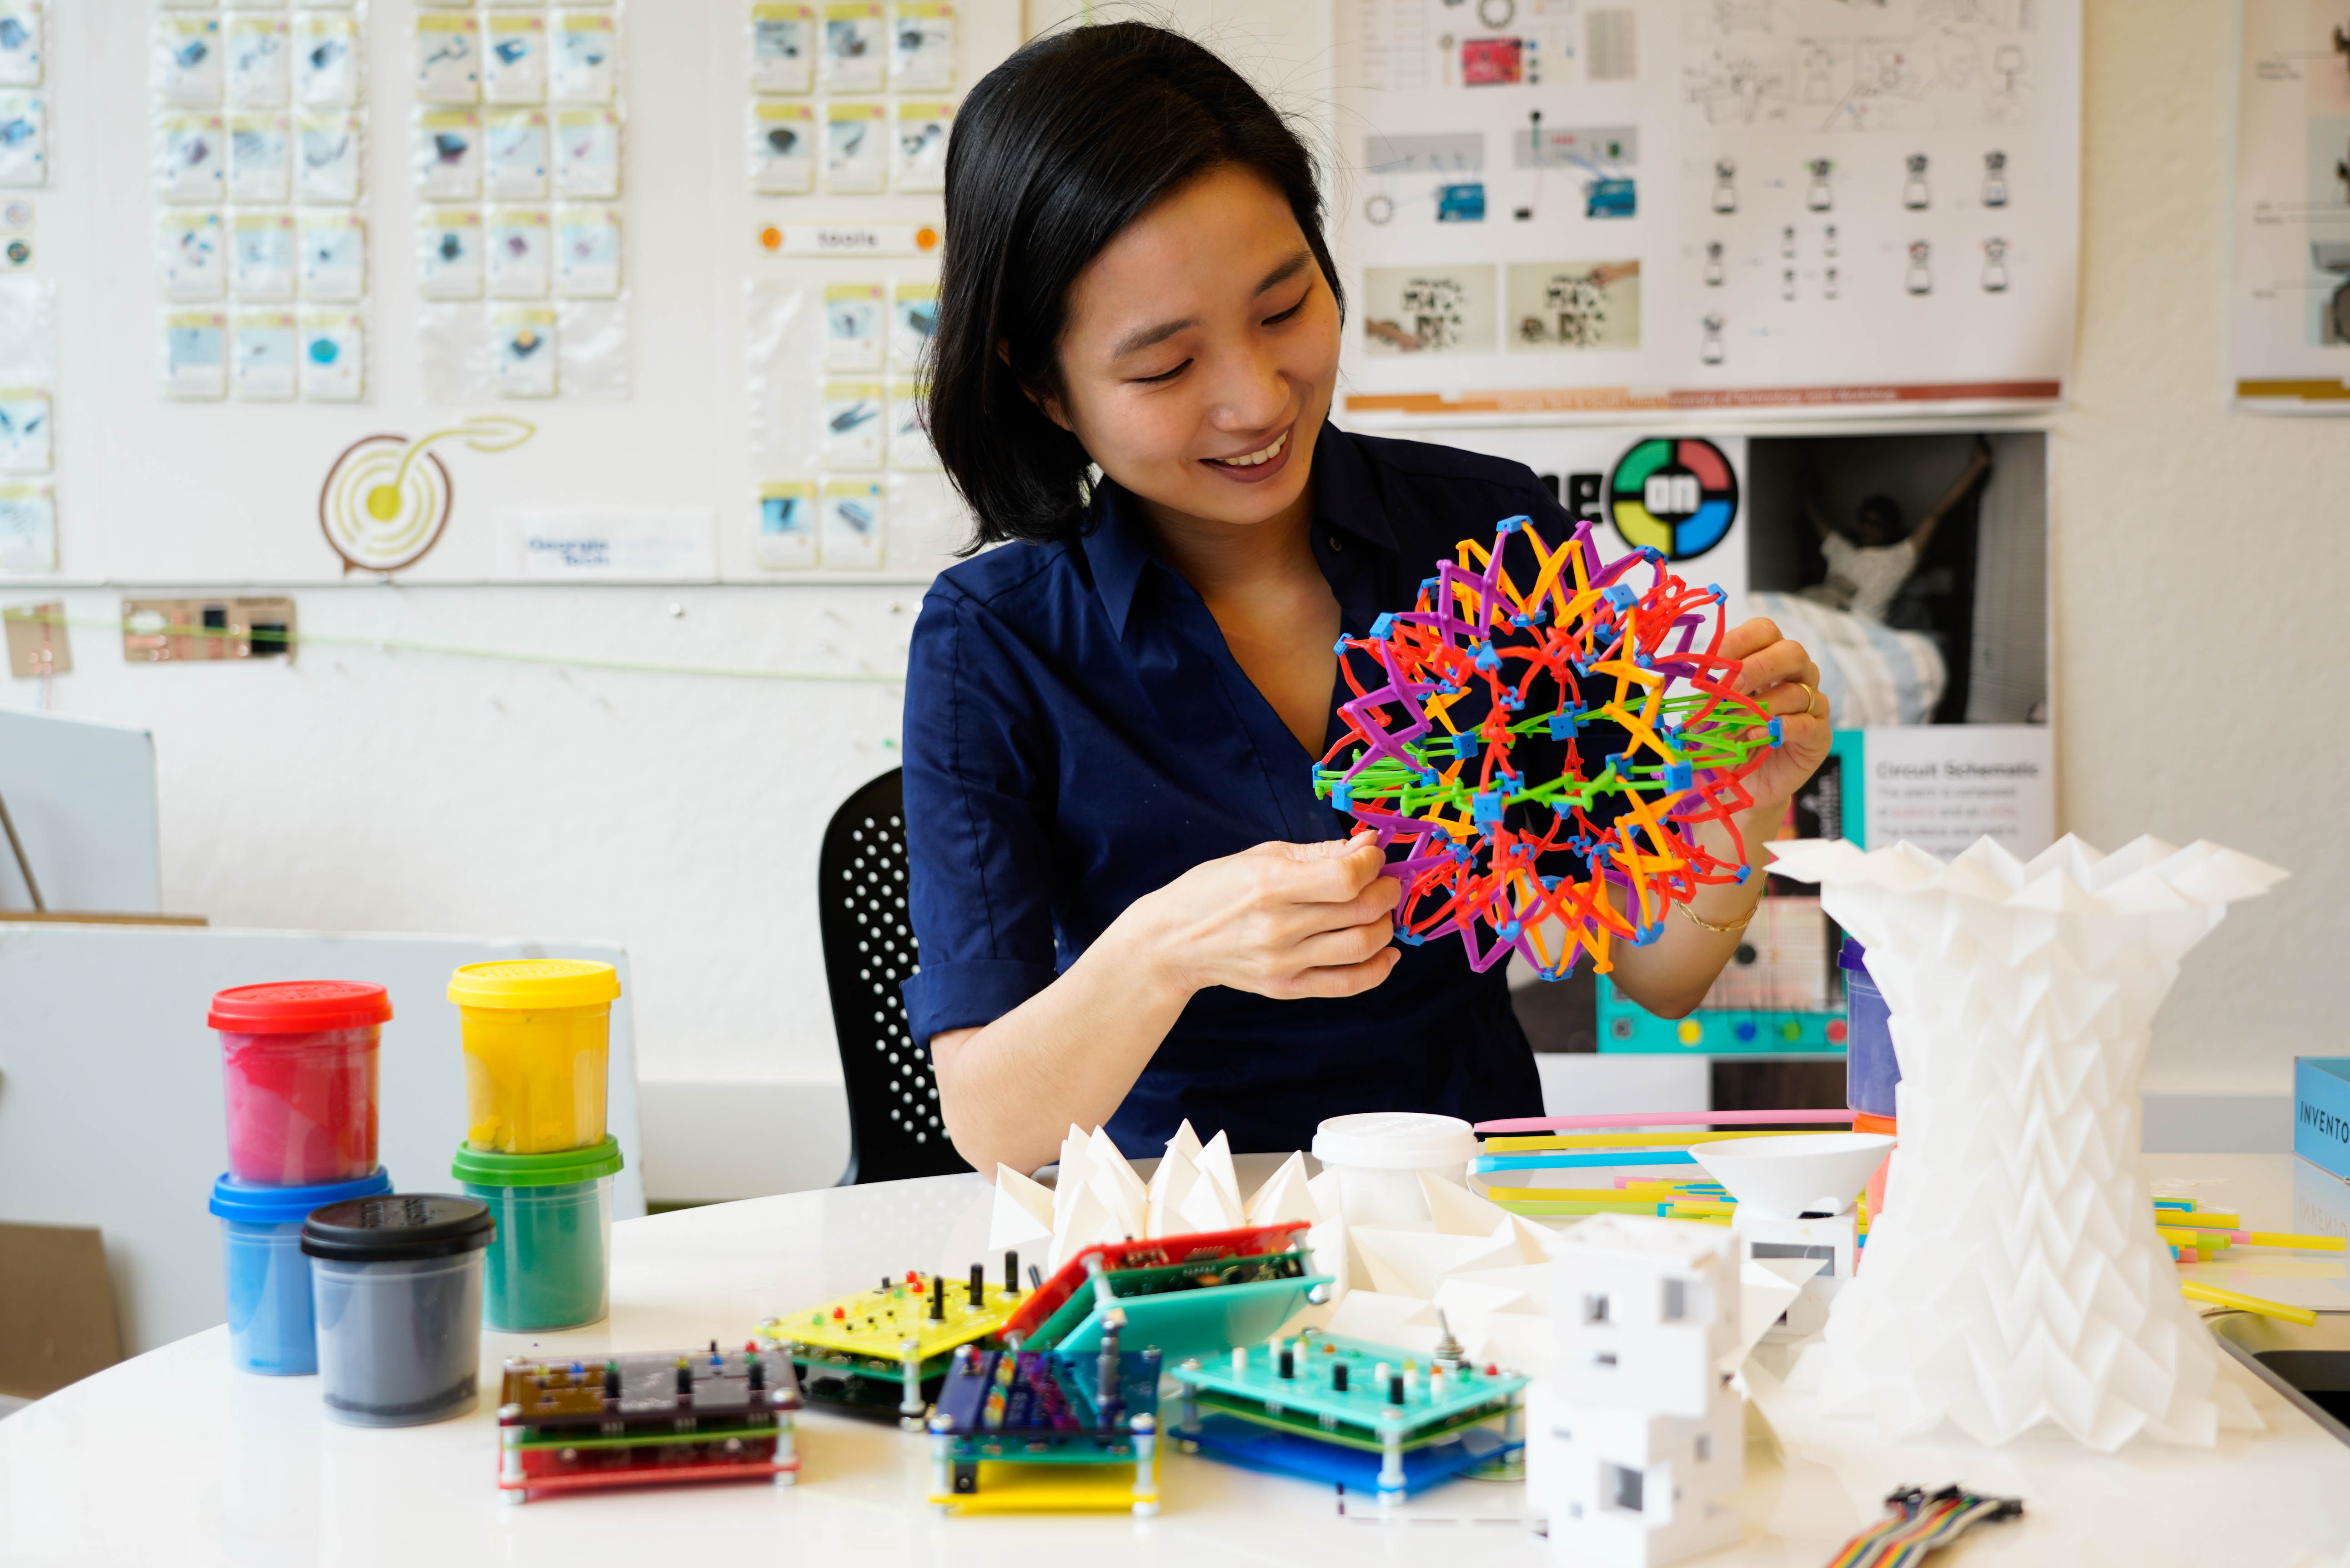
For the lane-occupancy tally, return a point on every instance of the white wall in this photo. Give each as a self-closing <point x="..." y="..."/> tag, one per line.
<point x="2201" y="562"/>
<point x="358" y="790"/>
<point x="2200" y="557"/>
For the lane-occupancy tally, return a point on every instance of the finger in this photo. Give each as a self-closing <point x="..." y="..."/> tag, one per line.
<point x="1806" y="739"/>
<point x="1318" y="849"/>
<point x="1339" y="949"/>
<point x="1782" y="660"/>
<point x="1324" y="851"/>
<point x="1298" y="923"/>
<point x="1748" y="637"/>
<point x="1342" y="876"/>
<point x="1793" y="701"/>
<point x="1350" y="979"/>
<point x="1327" y="871"/>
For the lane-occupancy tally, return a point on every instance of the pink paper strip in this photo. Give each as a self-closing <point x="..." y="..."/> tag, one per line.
<point x="1657" y="1119"/>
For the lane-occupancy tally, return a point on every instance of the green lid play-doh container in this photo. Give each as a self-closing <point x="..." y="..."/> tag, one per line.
<point x="549" y="1266"/>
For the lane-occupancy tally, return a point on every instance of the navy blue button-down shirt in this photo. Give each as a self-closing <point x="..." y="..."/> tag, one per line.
<point x="1077" y="734"/>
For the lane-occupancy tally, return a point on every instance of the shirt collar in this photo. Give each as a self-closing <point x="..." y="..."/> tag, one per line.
<point x="1118" y="541"/>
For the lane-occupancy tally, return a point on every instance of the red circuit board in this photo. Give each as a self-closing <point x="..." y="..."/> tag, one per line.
<point x="640" y="1419"/>
<point x="1204" y="1246"/>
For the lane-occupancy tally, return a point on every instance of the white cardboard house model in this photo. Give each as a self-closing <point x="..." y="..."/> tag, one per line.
<point x="1635" y="1444"/>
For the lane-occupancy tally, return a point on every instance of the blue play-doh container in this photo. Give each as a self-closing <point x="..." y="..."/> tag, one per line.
<point x="270" y="1327"/>
<point x="1870" y="1069"/>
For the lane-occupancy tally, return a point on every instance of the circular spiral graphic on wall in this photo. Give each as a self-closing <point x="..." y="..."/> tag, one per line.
<point x="1679" y="495"/>
<point x="384" y="504"/>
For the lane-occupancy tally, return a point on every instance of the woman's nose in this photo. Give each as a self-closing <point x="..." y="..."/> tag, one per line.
<point x="1251" y="393"/>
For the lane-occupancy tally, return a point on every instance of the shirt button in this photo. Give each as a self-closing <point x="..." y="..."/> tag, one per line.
<point x="1336" y="543"/>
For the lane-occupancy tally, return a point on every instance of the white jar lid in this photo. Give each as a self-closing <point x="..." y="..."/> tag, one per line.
<point x="1395" y="1140"/>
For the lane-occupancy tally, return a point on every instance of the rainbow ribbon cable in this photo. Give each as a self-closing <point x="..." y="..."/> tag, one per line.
<point x="1917" y="1524"/>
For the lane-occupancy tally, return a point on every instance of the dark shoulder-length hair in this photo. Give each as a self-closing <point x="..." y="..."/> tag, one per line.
<point x="1054" y="153"/>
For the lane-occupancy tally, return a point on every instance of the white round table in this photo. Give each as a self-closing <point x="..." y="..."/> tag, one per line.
<point x="175" y="1457"/>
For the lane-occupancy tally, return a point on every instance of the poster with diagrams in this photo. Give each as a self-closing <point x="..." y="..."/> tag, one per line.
<point x="2289" y="293"/>
<point x="1603" y="206"/>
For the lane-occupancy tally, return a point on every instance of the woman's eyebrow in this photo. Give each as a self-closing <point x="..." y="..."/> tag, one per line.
<point x="1297" y="263"/>
<point x="1145" y="337"/>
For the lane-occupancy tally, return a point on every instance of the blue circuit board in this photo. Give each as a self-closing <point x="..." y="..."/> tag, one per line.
<point x="1255" y="1447"/>
<point x="1040" y="1407"/>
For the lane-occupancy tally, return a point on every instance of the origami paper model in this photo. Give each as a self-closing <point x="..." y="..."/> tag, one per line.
<point x="2015" y="1279"/>
<point x="1097" y="1196"/>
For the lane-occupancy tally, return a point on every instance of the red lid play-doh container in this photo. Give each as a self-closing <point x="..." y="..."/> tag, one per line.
<point x="300" y="1062"/>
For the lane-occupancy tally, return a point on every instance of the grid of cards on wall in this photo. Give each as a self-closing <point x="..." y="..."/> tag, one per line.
<point x="848" y="98"/>
<point x="262" y="257"/>
<point x="851" y="436"/>
<point x="883" y="74"/>
<point x="517" y="166"/>
<point x="28" y="519"/>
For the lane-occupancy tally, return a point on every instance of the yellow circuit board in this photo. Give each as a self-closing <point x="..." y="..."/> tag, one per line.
<point x="1006" y="1486"/>
<point x="877" y="1323"/>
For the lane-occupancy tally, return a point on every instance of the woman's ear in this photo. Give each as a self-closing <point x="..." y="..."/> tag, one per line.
<point x="1046" y="403"/>
<point x="1050" y="406"/>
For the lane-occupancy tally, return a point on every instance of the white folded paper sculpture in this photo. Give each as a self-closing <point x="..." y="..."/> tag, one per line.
<point x="1473" y="1261"/>
<point x="2016" y="1278"/>
<point x="1472" y="1265"/>
<point x="1096" y="1196"/>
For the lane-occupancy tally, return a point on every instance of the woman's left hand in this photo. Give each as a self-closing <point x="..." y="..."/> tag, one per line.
<point x="1782" y="676"/>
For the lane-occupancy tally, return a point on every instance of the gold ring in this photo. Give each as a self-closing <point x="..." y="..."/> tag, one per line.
<point x="1811" y="700"/>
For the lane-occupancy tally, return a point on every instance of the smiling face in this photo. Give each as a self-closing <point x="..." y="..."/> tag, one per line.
<point x="1201" y="352"/>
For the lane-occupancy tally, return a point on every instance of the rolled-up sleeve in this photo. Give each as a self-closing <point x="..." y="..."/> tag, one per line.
<point x="977" y="772"/>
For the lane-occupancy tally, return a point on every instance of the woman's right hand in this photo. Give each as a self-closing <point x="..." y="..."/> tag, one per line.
<point x="1280" y="921"/>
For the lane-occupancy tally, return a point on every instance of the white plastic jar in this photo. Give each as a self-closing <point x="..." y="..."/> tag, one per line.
<point x="1380" y="1155"/>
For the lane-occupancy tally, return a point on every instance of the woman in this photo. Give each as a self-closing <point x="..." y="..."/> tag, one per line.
<point x="1131" y="908"/>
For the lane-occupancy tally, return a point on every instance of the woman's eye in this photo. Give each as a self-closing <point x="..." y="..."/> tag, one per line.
<point x="1277" y="320"/>
<point x="1164" y="374"/>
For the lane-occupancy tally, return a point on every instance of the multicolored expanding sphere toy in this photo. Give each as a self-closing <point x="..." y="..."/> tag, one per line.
<point x="1477" y="669"/>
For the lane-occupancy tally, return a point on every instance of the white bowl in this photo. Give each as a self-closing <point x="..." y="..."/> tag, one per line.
<point x="1790" y="1176"/>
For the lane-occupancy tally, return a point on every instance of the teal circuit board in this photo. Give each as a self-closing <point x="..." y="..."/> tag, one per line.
<point x="1368" y="1416"/>
<point x="1348" y="1391"/>
<point x="1168" y="1279"/>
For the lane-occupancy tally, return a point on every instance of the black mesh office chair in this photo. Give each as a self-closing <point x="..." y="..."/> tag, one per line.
<point x="894" y="1128"/>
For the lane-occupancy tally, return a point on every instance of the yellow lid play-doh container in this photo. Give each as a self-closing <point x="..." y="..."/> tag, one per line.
<point x="537" y="1037"/>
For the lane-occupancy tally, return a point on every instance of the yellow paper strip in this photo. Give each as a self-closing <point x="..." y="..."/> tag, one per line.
<point x="2195" y="1291"/>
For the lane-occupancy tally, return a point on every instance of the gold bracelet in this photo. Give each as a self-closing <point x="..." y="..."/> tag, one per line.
<point x="1729" y="930"/>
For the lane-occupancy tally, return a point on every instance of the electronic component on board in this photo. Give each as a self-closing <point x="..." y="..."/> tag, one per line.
<point x="883" y="1351"/>
<point x="647" y="1419"/>
<point x="1041" y="1431"/>
<point x="1184" y="1294"/>
<point x="1368" y="1416"/>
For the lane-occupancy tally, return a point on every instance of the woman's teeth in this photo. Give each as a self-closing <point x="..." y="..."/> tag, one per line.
<point x="1254" y="458"/>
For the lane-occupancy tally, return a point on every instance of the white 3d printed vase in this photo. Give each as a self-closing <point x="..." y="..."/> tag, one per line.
<point x="2016" y="1278"/>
